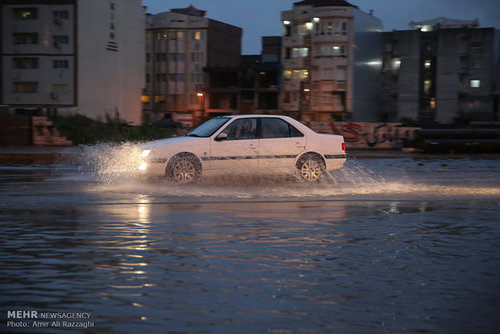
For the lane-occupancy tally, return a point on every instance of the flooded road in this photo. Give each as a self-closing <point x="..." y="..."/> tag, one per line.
<point x="397" y="244"/>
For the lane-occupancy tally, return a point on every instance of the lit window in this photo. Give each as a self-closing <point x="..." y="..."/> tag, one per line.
<point x="300" y="52"/>
<point x="286" y="22"/>
<point x="197" y="35"/>
<point x="432" y="104"/>
<point x="300" y="74"/>
<point x="427" y="86"/>
<point x="25" y="87"/>
<point x="475" y="83"/>
<point x="331" y="50"/>
<point x="60" y="88"/>
<point x="309" y="26"/>
<point x="427" y="64"/>
<point x="287" y="74"/>
<point x="396" y="63"/>
<point x="25" y="13"/>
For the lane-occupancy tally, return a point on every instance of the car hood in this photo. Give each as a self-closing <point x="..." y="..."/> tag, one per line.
<point x="171" y="141"/>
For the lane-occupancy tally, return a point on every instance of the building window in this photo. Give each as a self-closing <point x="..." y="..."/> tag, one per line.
<point x="60" y="88"/>
<point x="60" y="14"/>
<point x="300" y="52"/>
<point x="427" y="86"/>
<point x="60" y="63"/>
<point x="427" y="64"/>
<point x="161" y="57"/>
<point x="432" y="103"/>
<point x="25" y="87"/>
<point x="341" y="74"/>
<point x="25" y="13"/>
<point x="396" y="63"/>
<point x="475" y="83"/>
<point x="60" y="39"/>
<point x="287" y="29"/>
<point x="295" y="74"/>
<point x="196" y="35"/>
<point x="25" y="62"/>
<point x="25" y="38"/>
<point x="331" y="50"/>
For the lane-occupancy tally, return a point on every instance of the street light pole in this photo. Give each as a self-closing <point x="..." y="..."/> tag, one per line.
<point x="202" y="95"/>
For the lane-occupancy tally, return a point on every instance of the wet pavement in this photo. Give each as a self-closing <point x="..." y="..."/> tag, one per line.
<point x="392" y="243"/>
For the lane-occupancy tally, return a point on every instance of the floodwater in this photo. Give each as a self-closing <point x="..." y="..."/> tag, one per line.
<point x="389" y="244"/>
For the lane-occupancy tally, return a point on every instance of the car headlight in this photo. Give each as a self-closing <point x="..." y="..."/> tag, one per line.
<point x="145" y="153"/>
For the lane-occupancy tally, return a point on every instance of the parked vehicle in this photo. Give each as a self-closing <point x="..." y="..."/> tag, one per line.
<point x="245" y="144"/>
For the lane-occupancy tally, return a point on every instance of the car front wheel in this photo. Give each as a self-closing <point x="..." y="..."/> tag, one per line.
<point x="310" y="167"/>
<point x="184" y="168"/>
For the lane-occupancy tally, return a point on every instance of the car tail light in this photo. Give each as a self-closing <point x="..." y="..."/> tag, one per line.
<point x="343" y="146"/>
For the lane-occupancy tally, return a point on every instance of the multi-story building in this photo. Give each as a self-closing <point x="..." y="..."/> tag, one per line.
<point x="73" y="56"/>
<point x="180" y="44"/>
<point x="444" y="70"/>
<point x="323" y="42"/>
<point x="251" y="87"/>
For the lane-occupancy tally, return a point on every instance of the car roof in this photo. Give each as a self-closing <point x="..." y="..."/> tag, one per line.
<point x="255" y="115"/>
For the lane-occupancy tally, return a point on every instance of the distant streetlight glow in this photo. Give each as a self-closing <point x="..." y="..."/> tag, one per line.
<point x="286" y="22"/>
<point x="199" y="94"/>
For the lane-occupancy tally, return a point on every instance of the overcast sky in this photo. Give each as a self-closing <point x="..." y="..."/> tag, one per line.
<point x="262" y="17"/>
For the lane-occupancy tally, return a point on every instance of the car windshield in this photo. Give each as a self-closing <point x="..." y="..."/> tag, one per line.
<point x="209" y="127"/>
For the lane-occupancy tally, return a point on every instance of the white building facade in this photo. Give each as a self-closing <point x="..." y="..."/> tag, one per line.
<point x="70" y="56"/>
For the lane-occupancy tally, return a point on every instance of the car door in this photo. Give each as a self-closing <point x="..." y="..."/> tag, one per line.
<point x="280" y="145"/>
<point x="238" y="152"/>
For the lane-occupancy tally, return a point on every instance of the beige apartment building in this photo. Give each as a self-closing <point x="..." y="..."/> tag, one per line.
<point x="180" y="45"/>
<point x="319" y="55"/>
<point x="70" y="56"/>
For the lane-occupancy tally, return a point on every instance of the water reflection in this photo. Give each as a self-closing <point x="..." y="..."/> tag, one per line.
<point x="268" y="258"/>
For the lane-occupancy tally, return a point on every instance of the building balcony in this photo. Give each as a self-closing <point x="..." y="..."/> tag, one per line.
<point x="329" y="61"/>
<point x="329" y="37"/>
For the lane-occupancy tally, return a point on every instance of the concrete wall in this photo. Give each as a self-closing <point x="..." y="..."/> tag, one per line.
<point x="367" y="135"/>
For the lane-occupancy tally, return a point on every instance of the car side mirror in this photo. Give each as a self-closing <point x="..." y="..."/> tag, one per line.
<point x="221" y="137"/>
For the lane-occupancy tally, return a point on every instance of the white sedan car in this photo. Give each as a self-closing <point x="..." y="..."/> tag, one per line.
<point x="245" y="144"/>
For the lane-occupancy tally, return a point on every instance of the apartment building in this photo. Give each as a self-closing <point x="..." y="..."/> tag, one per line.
<point x="250" y="87"/>
<point x="180" y="45"/>
<point x="71" y="56"/>
<point x="443" y="70"/>
<point x="327" y="46"/>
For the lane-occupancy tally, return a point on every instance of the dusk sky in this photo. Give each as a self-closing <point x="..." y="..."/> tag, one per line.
<point x="262" y="17"/>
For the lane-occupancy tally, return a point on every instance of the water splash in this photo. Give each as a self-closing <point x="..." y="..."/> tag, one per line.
<point x="113" y="168"/>
<point x="109" y="163"/>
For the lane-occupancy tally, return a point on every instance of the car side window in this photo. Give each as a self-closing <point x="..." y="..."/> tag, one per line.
<point x="244" y="128"/>
<point x="278" y="128"/>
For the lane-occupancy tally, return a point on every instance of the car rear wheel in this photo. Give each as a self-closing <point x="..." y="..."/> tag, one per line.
<point x="310" y="167"/>
<point x="184" y="168"/>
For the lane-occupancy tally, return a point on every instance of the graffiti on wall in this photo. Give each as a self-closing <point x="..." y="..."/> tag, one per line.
<point x="365" y="135"/>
